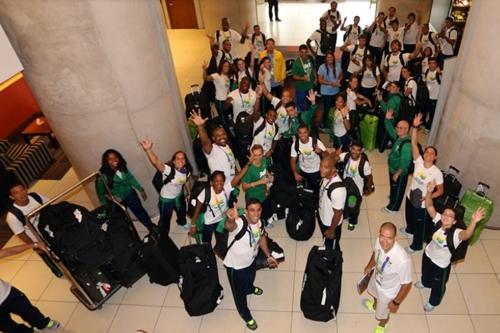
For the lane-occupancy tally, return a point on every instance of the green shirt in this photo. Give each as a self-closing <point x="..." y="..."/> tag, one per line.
<point x="122" y="186"/>
<point x="301" y="68"/>
<point x="305" y="117"/>
<point x="400" y="157"/>
<point x="253" y="174"/>
<point x="393" y="103"/>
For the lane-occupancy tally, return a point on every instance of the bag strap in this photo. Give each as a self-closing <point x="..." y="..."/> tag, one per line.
<point x="170" y="176"/>
<point x="240" y="233"/>
<point x="18" y="213"/>
<point x="37" y="197"/>
<point x="333" y="187"/>
<point x="260" y="128"/>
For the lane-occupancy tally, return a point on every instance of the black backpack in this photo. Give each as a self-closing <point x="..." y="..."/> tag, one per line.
<point x="438" y="76"/>
<point x="243" y="128"/>
<point x="458" y="253"/>
<point x="353" y="199"/>
<point x="407" y="110"/>
<point x="411" y="168"/>
<point x="158" y="183"/>
<point x="198" y="187"/>
<point x="301" y="219"/>
<point x="422" y="97"/>
<point x="342" y="164"/>
<point x="18" y="213"/>
<point x="326" y="42"/>
<point x="321" y="285"/>
<point x="262" y="127"/>
<point x="297" y="144"/>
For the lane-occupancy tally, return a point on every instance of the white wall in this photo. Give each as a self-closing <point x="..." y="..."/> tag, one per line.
<point x="9" y="62"/>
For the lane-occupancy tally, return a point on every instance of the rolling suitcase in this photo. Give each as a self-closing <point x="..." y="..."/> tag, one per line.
<point x="197" y="100"/>
<point x="471" y="201"/>
<point x="161" y="260"/>
<point x="452" y="187"/>
<point x="301" y="219"/>
<point x="320" y="296"/>
<point x="368" y="128"/>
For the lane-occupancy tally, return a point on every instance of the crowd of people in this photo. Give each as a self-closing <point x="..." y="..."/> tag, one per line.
<point x="377" y="70"/>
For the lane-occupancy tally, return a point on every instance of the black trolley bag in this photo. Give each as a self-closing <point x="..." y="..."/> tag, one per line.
<point x="160" y="257"/>
<point x="91" y="279"/>
<point x="451" y="190"/>
<point x="301" y="219"/>
<point x="320" y="296"/>
<point x="197" y="100"/>
<point x="199" y="283"/>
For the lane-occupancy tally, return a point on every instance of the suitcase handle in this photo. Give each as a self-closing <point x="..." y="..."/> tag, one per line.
<point x="454" y="169"/>
<point x="482" y="189"/>
<point x="195" y="88"/>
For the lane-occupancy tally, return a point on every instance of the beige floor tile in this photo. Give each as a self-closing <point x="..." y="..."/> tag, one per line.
<point x="356" y="253"/>
<point x="60" y="311"/>
<point x="278" y="287"/>
<point x="297" y="290"/>
<point x="349" y="322"/>
<point x="9" y="268"/>
<point x="131" y="318"/>
<point x="380" y="174"/>
<point x="116" y="299"/>
<point x="303" y="249"/>
<point x="43" y="186"/>
<point x="492" y="248"/>
<point x="477" y="261"/>
<point x="71" y="174"/>
<point x="377" y="158"/>
<point x="58" y="290"/>
<point x="278" y="230"/>
<point x="481" y="293"/>
<point x="408" y="323"/>
<point x="91" y="321"/>
<point x="413" y="303"/>
<point x="350" y="300"/>
<point x="485" y="324"/>
<point x="174" y="299"/>
<point x="453" y="301"/>
<point x="24" y="280"/>
<point x="145" y="293"/>
<point x="362" y="229"/>
<point x="377" y="217"/>
<point x="233" y="323"/>
<point x="14" y="241"/>
<point x="228" y="301"/>
<point x="490" y="234"/>
<point x="300" y="324"/>
<point x="176" y="320"/>
<point x="378" y="199"/>
<point x="272" y="321"/>
<point x="453" y="323"/>
<point x="289" y="247"/>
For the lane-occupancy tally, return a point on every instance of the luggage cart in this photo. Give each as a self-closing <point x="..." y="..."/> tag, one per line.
<point x="107" y="288"/>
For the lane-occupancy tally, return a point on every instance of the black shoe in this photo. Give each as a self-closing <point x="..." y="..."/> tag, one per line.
<point x="278" y="20"/>
<point x="271" y="19"/>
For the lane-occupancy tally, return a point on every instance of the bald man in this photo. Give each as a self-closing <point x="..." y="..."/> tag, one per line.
<point x="332" y="196"/>
<point x="391" y="280"/>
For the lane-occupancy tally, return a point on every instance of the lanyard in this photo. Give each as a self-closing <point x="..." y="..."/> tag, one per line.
<point x="245" y="102"/>
<point x="384" y="264"/>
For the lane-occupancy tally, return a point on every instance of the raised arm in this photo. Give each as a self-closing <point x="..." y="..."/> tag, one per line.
<point x="244" y="32"/>
<point x="11" y="251"/>
<point x="477" y="216"/>
<point x="388" y="124"/>
<point x="417" y="121"/>
<point x="308" y="43"/>
<point x="213" y="45"/>
<point x="147" y="145"/>
<point x="342" y="27"/>
<point x="414" y="54"/>
<point x="232" y="215"/>
<point x="429" y="204"/>
<point x="206" y="143"/>
<point x="206" y="77"/>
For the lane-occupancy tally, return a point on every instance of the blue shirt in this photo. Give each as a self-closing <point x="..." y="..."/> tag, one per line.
<point x="327" y="89"/>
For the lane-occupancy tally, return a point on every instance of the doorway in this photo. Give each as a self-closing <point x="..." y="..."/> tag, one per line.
<point x="181" y="14"/>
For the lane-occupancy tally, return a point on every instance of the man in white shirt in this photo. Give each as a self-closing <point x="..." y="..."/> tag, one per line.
<point x="332" y="197"/>
<point x="448" y="38"/>
<point x="391" y="276"/>
<point x="378" y="38"/>
<point x="244" y="241"/>
<point x="319" y="36"/>
<point x="241" y="99"/>
<point x="391" y="16"/>
<point x="394" y="61"/>
<point x="411" y="33"/>
<point x="357" y="54"/>
<point x="410" y="85"/>
<point x="265" y="131"/>
<point x="432" y="79"/>
<point x="333" y="20"/>
<point x="428" y="38"/>
<point x="307" y="151"/>
<point x="229" y="34"/>
<point x="13" y="301"/>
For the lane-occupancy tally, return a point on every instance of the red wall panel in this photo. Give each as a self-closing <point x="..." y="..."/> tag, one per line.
<point x="17" y="105"/>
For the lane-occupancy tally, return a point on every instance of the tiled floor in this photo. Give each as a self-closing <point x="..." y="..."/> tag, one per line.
<point x="472" y="302"/>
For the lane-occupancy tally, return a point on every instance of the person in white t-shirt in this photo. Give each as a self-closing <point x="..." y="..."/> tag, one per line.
<point x="219" y="154"/>
<point x="241" y="99"/>
<point x="258" y="40"/>
<point x="436" y="259"/>
<point x="358" y="52"/>
<point x="332" y="197"/>
<point x="339" y="123"/>
<point x="395" y="32"/>
<point x="410" y="85"/>
<point x="240" y="71"/>
<point x="175" y="179"/>
<point x="391" y="276"/>
<point x="432" y="79"/>
<point x="13" y="301"/>
<point x="411" y="31"/>
<point x="428" y="39"/>
<point x="425" y="172"/>
<point x="221" y="80"/>
<point x="240" y="257"/>
<point x="316" y="37"/>
<point x="448" y="38"/>
<point x="391" y="16"/>
<point x="226" y="33"/>
<point x="265" y="131"/>
<point x="306" y="155"/>
<point x="333" y="20"/>
<point x="279" y="106"/>
<point x="370" y="79"/>
<point x="378" y="38"/>
<point x="357" y="167"/>
<point x="394" y="61"/>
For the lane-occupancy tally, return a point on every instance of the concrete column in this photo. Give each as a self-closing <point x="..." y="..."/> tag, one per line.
<point x="469" y="133"/>
<point x="103" y="74"/>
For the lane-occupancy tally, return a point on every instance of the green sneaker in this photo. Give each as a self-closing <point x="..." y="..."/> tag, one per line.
<point x="258" y="291"/>
<point x="52" y="325"/>
<point x="369" y="305"/>
<point x="351" y="227"/>
<point x="252" y="324"/>
<point x="380" y="329"/>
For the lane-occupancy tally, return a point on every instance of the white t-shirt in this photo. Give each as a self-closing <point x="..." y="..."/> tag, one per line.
<point x="422" y="177"/>
<point x="331" y="17"/>
<point x="351" y="99"/>
<point x="410" y="36"/>
<point x="172" y="189"/>
<point x="335" y="201"/>
<point x="339" y="129"/>
<point x="396" y="35"/>
<point x="308" y="159"/>
<point x="229" y="57"/>
<point x="392" y="269"/>
<point x="394" y="63"/>
<point x="281" y="114"/>
<point x="243" y="251"/>
<point x="368" y="80"/>
<point x="316" y="36"/>
<point x="266" y="77"/>
<point x="432" y="84"/>
<point x="232" y="35"/>
<point x="437" y="250"/>
<point x="353" y="34"/>
<point x="17" y="226"/>
<point x="425" y="65"/>
<point x="266" y="136"/>
<point x="242" y="102"/>
<point x="447" y="48"/>
<point x="412" y="84"/>
<point x="259" y="45"/>
<point x="352" y="171"/>
<point x="240" y="75"/>
<point x="359" y="55"/>
<point x="426" y="41"/>
<point x="221" y="83"/>
<point x="388" y="20"/>
<point x="4" y="290"/>
<point x="378" y="37"/>
<point x="222" y="159"/>
<point x="217" y="206"/>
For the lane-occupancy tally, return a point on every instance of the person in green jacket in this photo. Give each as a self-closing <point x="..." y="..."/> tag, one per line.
<point x="122" y="186"/>
<point x="304" y="75"/>
<point x="400" y="159"/>
<point x="393" y="103"/>
<point x="255" y="180"/>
